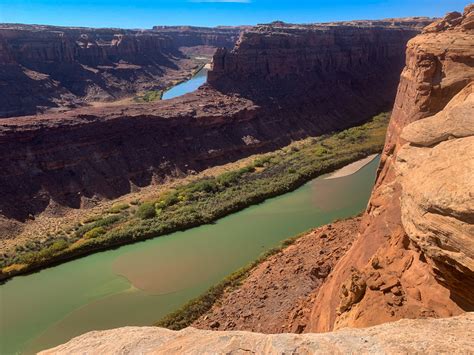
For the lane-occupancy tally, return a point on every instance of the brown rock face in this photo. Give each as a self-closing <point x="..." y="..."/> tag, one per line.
<point x="44" y="67"/>
<point x="415" y="248"/>
<point x="319" y="79"/>
<point x="315" y="62"/>
<point x="190" y="36"/>
<point x="412" y="336"/>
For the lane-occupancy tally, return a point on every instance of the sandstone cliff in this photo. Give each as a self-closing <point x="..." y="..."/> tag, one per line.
<point x="427" y="336"/>
<point x="43" y="67"/>
<point x="413" y="257"/>
<point x="334" y="76"/>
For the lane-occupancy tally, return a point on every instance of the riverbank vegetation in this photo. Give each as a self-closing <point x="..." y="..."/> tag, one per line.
<point x="149" y="96"/>
<point x="204" y="200"/>
<point x="191" y="311"/>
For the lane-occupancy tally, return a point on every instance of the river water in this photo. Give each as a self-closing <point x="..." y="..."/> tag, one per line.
<point x="187" y="86"/>
<point x="137" y="284"/>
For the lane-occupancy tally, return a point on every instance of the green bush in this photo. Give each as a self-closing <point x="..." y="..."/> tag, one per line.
<point x="94" y="232"/>
<point x="260" y="162"/>
<point x="149" y="96"/>
<point x="319" y="151"/>
<point x="204" y="185"/>
<point x="119" y="207"/>
<point x="146" y="210"/>
<point x="168" y="199"/>
<point x="102" y="222"/>
<point x="229" y="178"/>
<point x="59" y="245"/>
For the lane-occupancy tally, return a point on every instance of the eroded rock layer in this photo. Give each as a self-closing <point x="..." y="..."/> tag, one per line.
<point x="330" y="76"/>
<point x="420" y="336"/>
<point x="414" y="255"/>
<point x="44" y="67"/>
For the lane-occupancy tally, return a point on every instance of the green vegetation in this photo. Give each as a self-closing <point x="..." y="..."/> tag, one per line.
<point x="94" y="232"/>
<point x="191" y="311"/>
<point x="146" y="210"/>
<point x="119" y="207"/>
<point x="149" y="96"/>
<point x="101" y="222"/>
<point x="207" y="199"/>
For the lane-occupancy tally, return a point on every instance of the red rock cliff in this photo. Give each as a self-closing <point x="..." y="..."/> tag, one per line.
<point x="414" y="255"/>
<point x="87" y="154"/>
<point x="45" y="66"/>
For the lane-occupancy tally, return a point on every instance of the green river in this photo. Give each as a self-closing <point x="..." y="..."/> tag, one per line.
<point x="137" y="284"/>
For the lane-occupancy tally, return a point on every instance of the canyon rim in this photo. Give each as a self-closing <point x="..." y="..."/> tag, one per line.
<point x="93" y="158"/>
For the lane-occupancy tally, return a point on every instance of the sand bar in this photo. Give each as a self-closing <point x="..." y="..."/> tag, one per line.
<point x="352" y="167"/>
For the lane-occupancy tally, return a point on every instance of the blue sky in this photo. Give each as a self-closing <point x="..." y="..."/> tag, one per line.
<point x="146" y="13"/>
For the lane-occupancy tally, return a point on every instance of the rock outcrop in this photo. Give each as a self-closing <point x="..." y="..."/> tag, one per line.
<point x="44" y="67"/>
<point x="415" y="248"/>
<point x="421" y="336"/>
<point x="331" y="77"/>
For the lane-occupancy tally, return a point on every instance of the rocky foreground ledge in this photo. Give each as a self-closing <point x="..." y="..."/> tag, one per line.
<point x="427" y="336"/>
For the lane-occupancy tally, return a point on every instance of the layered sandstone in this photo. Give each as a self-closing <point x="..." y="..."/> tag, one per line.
<point x="320" y="79"/>
<point x="191" y="36"/>
<point x="44" y="67"/>
<point x="413" y="257"/>
<point x="421" y="336"/>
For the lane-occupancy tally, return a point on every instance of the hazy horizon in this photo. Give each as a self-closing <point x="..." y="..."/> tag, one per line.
<point x="144" y="14"/>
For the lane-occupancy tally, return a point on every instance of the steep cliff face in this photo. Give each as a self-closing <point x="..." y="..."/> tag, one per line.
<point x="316" y="77"/>
<point x="189" y="36"/>
<point x="278" y="58"/>
<point x="44" y="66"/>
<point x="71" y="158"/>
<point x="413" y="257"/>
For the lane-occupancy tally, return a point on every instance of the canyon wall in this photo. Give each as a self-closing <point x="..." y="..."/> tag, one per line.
<point x="43" y="67"/>
<point x="414" y="254"/>
<point x="190" y="36"/>
<point x="339" y="76"/>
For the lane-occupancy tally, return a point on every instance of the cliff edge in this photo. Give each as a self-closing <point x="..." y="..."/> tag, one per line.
<point x="413" y="257"/>
<point x="406" y="336"/>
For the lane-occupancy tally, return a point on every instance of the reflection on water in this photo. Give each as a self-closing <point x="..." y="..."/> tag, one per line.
<point x="139" y="283"/>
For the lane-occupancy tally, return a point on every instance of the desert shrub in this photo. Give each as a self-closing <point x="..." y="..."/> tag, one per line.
<point x="247" y="169"/>
<point x="59" y="245"/>
<point x="168" y="199"/>
<point x="102" y="222"/>
<point x="146" y="210"/>
<point x="260" y="162"/>
<point x="119" y="207"/>
<point x="204" y="185"/>
<point x="107" y="221"/>
<point x="91" y="219"/>
<point x="229" y="178"/>
<point x="94" y="232"/>
<point x="149" y="96"/>
<point x="319" y="151"/>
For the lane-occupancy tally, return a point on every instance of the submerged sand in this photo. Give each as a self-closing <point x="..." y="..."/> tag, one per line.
<point x="352" y="167"/>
